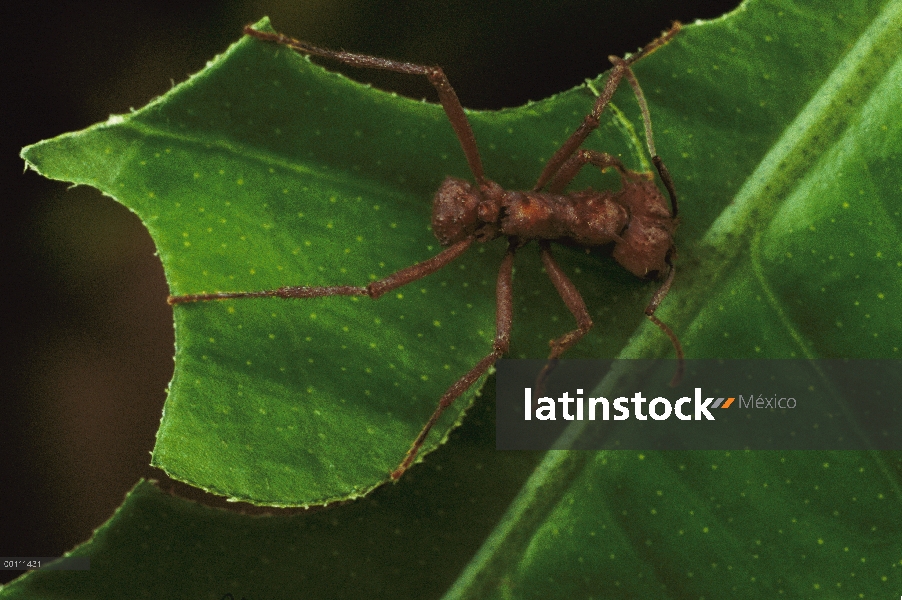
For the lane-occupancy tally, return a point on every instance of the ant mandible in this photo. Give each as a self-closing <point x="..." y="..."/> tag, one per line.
<point x="635" y="218"/>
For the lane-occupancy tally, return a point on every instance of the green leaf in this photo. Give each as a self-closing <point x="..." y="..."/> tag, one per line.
<point x="265" y="170"/>
<point x="781" y="126"/>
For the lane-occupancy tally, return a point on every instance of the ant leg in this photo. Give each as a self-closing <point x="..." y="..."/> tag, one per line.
<point x="591" y="121"/>
<point x="571" y="298"/>
<point x="446" y="94"/>
<point x="602" y="160"/>
<point x="649" y="137"/>
<point x="373" y="290"/>
<point x="668" y="183"/>
<point x="575" y="304"/>
<point x="503" y="320"/>
<point x="650" y="313"/>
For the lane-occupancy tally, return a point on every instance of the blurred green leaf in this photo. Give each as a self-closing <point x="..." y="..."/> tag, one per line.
<point x="781" y="126"/>
<point x="805" y="261"/>
<point x="407" y="540"/>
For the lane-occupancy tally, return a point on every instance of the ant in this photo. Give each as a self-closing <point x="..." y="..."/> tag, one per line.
<point x="636" y="219"/>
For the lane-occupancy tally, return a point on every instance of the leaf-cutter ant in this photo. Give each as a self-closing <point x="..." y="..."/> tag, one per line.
<point x="635" y="218"/>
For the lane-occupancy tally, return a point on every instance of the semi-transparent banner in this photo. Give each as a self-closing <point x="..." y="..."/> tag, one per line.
<point x="780" y="404"/>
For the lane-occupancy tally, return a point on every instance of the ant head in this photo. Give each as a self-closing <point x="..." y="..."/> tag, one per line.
<point x="455" y="211"/>
<point x="645" y="249"/>
<point x="646" y="246"/>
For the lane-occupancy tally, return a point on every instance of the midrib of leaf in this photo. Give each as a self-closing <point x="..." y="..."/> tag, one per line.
<point x="825" y="119"/>
<point x="821" y="123"/>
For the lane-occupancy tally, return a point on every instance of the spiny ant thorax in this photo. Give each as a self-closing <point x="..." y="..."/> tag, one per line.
<point x="636" y="219"/>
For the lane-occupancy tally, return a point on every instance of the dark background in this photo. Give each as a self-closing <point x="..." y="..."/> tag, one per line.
<point x="88" y="332"/>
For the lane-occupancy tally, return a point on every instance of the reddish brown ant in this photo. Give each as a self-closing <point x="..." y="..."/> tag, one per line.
<point x="636" y="218"/>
